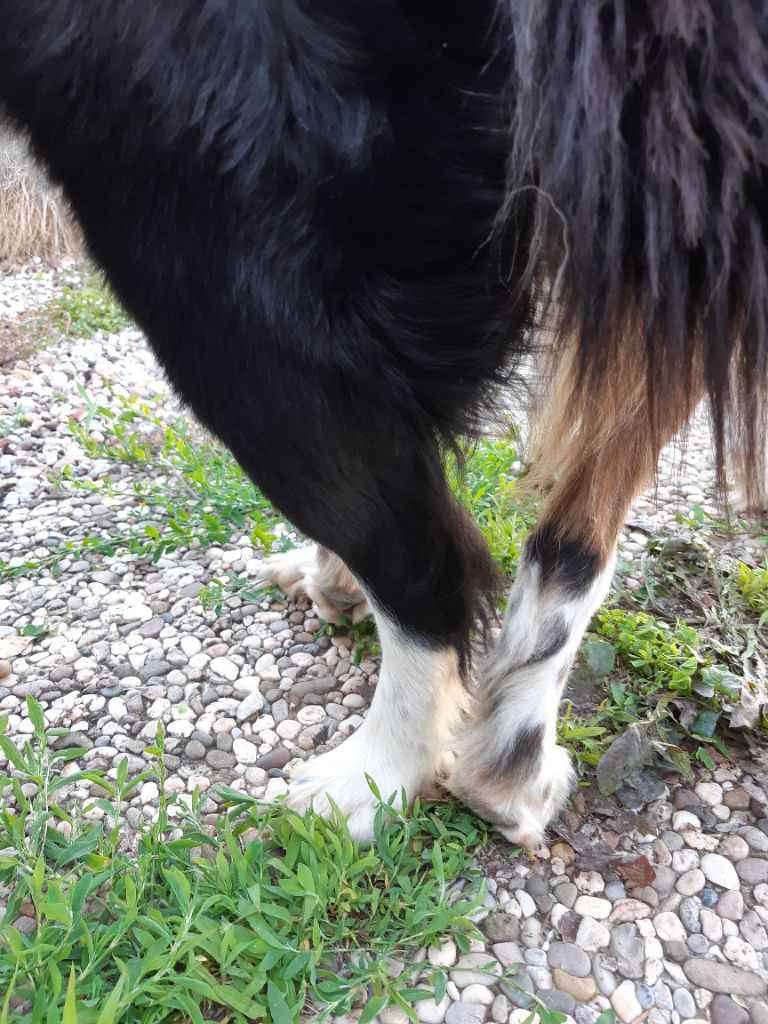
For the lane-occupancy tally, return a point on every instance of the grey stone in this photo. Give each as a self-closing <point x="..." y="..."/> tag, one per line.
<point x="303" y="687"/>
<point x="688" y="911"/>
<point x="752" y="870"/>
<point x="556" y="999"/>
<point x="566" y="893"/>
<point x="569" y="958"/>
<point x="723" y="1010"/>
<point x="152" y="628"/>
<point x="698" y="944"/>
<point x="519" y="990"/>
<point x="629" y="949"/>
<point x="725" y="978"/>
<point x="250" y="707"/>
<point x="665" y="880"/>
<point x="220" y="759"/>
<point x="466" y="1013"/>
<point x="195" y="750"/>
<point x="684" y="1003"/>
<point x="498" y="927"/>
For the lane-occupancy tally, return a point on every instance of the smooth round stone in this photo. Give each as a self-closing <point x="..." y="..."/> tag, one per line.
<point x="698" y="944"/>
<point x="568" y="957"/>
<point x="734" y="848"/>
<point x="669" y="927"/>
<point x="719" y="871"/>
<point x="723" y="1010"/>
<point x="753" y="871"/>
<point x="691" y="882"/>
<point x="708" y="897"/>
<point x="689" y="911"/>
<point x="684" y="1003"/>
<point x="731" y="906"/>
<point x="709" y="793"/>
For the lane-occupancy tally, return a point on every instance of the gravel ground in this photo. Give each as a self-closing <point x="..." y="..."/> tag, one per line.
<point x="657" y="907"/>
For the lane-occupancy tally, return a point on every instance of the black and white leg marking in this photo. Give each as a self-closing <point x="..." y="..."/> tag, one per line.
<point x="403" y="742"/>
<point x="510" y="769"/>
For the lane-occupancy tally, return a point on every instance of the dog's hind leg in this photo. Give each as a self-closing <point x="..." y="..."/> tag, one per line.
<point x="314" y="571"/>
<point x="510" y="768"/>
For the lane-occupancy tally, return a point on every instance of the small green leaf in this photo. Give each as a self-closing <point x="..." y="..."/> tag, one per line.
<point x="372" y="1008"/>
<point x="281" y="1013"/>
<point x="69" y="1015"/>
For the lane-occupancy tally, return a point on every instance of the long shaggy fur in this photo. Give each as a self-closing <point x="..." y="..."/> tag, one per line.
<point x="642" y="130"/>
<point x="335" y="221"/>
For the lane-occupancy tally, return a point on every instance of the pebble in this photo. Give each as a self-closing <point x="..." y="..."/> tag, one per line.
<point x="726" y="978"/>
<point x="132" y="636"/>
<point x="568" y="957"/>
<point x="625" y="1002"/>
<point x="466" y="970"/>
<point x="719" y="871"/>
<point x="466" y="1013"/>
<point x="725" y="1011"/>
<point x="752" y="871"/>
<point x="691" y="882"/>
<point x="593" y="906"/>
<point x="669" y="926"/>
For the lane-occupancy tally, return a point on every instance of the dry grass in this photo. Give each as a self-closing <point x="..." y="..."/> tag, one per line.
<point x="34" y="220"/>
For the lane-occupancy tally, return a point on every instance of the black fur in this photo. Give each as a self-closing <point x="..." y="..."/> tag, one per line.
<point x="643" y="125"/>
<point x="296" y="201"/>
<point x="570" y="565"/>
<point x="522" y="755"/>
<point x="334" y="219"/>
<point x="552" y="637"/>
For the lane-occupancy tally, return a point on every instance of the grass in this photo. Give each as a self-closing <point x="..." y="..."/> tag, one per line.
<point x="266" y="914"/>
<point x="259" y="918"/>
<point x="178" y="489"/>
<point x="89" y="307"/>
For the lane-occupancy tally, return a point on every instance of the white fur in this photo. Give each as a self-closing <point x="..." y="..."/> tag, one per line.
<point x="298" y="572"/>
<point x="525" y="697"/>
<point x="402" y="743"/>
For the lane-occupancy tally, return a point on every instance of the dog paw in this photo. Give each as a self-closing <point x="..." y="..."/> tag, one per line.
<point x="324" y="580"/>
<point x="519" y="805"/>
<point x="342" y="775"/>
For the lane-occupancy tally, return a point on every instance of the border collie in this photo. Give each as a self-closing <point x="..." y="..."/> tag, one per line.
<point x="343" y="225"/>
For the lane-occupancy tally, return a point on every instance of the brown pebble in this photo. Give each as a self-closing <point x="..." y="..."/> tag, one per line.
<point x="276" y="758"/>
<point x="684" y="798"/>
<point x="5" y="669"/>
<point x="582" y="989"/>
<point x="569" y="926"/>
<point x="736" y="799"/>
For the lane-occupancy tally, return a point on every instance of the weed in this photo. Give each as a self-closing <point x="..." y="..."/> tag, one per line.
<point x="364" y="636"/>
<point x="191" y="492"/>
<point x="265" y="914"/>
<point x="486" y="482"/>
<point x="89" y="307"/>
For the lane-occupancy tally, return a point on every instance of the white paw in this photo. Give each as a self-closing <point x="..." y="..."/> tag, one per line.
<point x="297" y="572"/>
<point x="520" y="807"/>
<point x="341" y="775"/>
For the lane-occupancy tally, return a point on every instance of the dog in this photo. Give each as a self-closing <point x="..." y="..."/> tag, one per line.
<point x="344" y="228"/>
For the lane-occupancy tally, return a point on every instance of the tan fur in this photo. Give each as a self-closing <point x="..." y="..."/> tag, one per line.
<point x="596" y="446"/>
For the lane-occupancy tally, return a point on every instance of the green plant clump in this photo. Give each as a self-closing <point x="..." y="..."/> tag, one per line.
<point x="258" y="918"/>
<point x="87" y="308"/>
